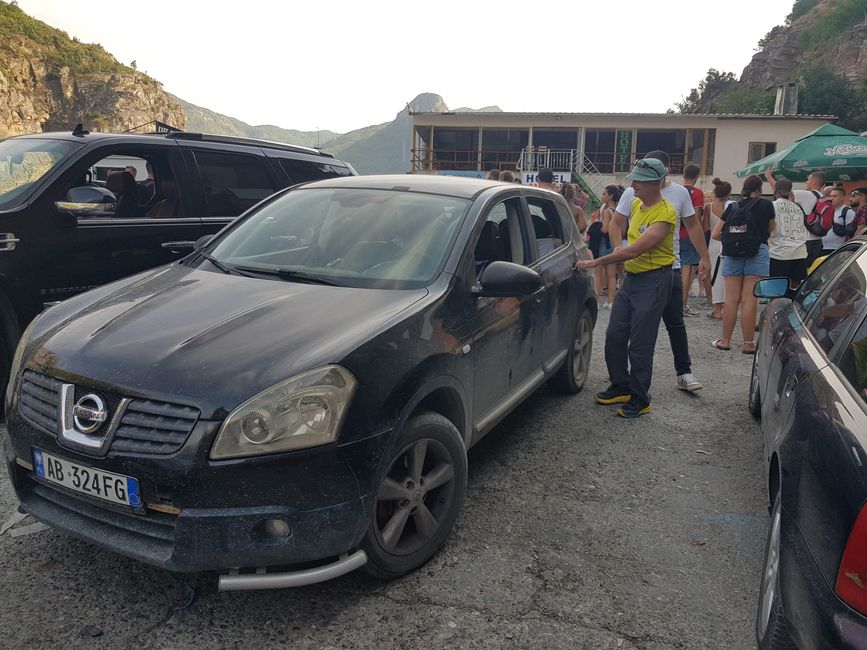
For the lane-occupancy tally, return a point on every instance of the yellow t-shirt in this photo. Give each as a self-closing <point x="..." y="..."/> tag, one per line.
<point x="663" y="253"/>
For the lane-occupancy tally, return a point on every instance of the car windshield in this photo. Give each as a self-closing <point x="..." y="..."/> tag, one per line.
<point x="23" y="162"/>
<point x="351" y="237"/>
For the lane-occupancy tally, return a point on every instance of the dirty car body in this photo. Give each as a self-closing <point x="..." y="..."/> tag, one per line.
<point x="253" y="404"/>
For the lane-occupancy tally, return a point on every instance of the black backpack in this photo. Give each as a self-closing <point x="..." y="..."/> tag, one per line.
<point x="740" y="234"/>
<point x="841" y="228"/>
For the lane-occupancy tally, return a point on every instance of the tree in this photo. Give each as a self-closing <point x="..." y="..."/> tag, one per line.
<point x="133" y="65"/>
<point x="712" y="87"/>
<point x="821" y="92"/>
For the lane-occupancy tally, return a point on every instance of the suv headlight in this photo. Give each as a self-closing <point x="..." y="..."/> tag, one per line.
<point x="304" y="411"/>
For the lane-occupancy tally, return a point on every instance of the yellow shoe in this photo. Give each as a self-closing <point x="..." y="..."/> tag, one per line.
<point x="612" y="395"/>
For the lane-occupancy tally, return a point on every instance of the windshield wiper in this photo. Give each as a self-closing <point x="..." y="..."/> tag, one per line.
<point x="225" y="268"/>
<point x="290" y="274"/>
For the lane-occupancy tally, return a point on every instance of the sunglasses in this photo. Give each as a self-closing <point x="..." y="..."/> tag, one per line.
<point x="643" y="164"/>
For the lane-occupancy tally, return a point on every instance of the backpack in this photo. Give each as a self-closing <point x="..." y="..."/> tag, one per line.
<point x="821" y="218"/>
<point x="841" y="228"/>
<point x="740" y="234"/>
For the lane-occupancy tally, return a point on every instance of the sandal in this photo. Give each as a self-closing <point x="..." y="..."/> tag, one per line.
<point x="749" y="347"/>
<point x="717" y="345"/>
<point x="710" y="315"/>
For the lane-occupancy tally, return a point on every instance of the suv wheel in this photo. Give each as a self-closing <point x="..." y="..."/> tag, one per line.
<point x="755" y="399"/>
<point x="572" y="375"/>
<point x="418" y="498"/>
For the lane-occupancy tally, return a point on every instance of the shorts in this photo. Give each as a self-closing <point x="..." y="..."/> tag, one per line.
<point x="688" y="254"/>
<point x="605" y="247"/>
<point x="758" y="265"/>
<point x="795" y="270"/>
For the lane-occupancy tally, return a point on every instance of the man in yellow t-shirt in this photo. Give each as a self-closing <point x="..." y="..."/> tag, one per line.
<point x="630" y="341"/>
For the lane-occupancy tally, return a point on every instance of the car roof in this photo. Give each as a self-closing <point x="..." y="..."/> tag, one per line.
<point x="457" y="186"/>
<point x="146" y="138"/>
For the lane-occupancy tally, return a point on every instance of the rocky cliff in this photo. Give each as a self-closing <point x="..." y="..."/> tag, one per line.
<point x="49" y="81"/>
<point x="828" y="32"/>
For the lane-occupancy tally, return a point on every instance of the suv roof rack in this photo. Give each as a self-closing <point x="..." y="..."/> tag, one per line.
<point x="232" y="139"/>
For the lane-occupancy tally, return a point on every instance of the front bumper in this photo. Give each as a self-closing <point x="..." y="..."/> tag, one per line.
<point x="202" y="515"/>
<point x="816" y="617"/>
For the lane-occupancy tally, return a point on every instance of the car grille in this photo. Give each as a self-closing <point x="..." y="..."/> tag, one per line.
<point x="147" y="426"/>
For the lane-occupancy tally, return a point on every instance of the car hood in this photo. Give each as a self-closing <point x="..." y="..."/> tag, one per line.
<point x="206" y="338"/>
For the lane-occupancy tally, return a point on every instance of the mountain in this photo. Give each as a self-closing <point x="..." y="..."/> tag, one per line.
<point x="821" y="47"/>
<point x="50" y="82"/>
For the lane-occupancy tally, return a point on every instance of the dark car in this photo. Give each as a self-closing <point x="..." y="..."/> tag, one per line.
<point x="809" y="386"/>
<point x="68" y="223"/>
<point x="302" y="389"/>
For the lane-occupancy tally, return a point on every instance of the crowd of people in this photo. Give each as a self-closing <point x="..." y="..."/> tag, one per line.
<point x="651" y="241"/>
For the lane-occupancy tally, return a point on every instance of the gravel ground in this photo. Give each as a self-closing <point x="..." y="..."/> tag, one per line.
<point x="580" y="530"/>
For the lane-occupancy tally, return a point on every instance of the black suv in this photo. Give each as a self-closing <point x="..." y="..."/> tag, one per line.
<point x="303" y="388"/>
<point x="78" y="210"/>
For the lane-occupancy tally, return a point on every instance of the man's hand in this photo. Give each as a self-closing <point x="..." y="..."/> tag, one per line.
<point x="583" y="265"/>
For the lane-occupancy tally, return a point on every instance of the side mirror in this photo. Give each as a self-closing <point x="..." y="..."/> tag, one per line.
<point x="88" y="201"/>
<point x="506" y="279"/>
<point x="771" y="288"/>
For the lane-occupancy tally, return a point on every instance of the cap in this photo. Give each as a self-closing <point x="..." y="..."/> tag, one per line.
<point x="647" y="169"/>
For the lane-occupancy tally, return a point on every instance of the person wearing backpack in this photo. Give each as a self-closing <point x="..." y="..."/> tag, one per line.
<point x="843" y="226"/>
<point x="808" y="199"/>
<point x="744" y="230"/>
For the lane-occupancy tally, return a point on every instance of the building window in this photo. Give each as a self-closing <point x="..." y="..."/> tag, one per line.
<point x="671" y="141"/>
<point x="759" y="150"/>
<point x="599" y="149"/>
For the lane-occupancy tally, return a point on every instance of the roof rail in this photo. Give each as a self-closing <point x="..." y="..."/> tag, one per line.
<point x="232" y="139"/>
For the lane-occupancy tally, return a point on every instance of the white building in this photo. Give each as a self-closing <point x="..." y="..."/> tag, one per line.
<point x="599" y="147"/>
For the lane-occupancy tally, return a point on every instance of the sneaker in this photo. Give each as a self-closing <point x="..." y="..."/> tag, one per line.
<point x="633" y="409"/>
<point x="690" y="312"/>
<point x="689" y="383"/>
<point x="613" y="395"/>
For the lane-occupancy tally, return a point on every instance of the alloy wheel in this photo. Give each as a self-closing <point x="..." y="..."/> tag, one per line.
<point x="581" y="350"/>
<point x="415" y="497"/>
<point x="769" y="577"/>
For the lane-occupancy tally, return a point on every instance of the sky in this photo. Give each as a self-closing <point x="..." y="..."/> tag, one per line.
<point x="341" y="65"/>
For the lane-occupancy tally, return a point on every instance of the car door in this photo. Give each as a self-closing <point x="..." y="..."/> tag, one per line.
<point x="553" y="257"/>
<point x="230" y="180"/>
<point x="793" y="354"/>
<point x="71" y="252"/>
<point x="499" y="334"/>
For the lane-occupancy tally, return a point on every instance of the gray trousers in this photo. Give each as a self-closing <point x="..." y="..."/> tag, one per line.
<point x="632" y="329"/>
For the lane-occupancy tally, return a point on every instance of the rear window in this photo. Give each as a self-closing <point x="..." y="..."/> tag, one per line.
<point x="301" y="171"/>
<point x="232" y="182"/>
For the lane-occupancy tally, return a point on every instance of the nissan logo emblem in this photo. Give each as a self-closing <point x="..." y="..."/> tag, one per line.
<point x="89" y="413"/>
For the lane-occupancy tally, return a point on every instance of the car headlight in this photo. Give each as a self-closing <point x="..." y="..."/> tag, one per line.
<point x="16" y="362"/>
<point x="304" y="411"/>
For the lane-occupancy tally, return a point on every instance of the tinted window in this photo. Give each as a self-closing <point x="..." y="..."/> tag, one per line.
<point x="232" y="182"/>
<point x="301" y="171"/>
<point x="546" y="224"/>
<point x="364" y="238"/>
<point x="854" y="362"/>
<point x="500" y="239"/>
<point x="818" y="280"/>
<point x="839" y="305"/>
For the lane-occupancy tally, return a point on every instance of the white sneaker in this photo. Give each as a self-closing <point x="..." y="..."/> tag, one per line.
<point x="689" y="383"/>
<point x="605" y="305"/>
<point x="690" y="312"/>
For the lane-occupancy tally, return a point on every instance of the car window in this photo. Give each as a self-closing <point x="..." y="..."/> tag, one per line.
<point x="232" y="182"/>
<point x="818" y="280"/>
<point x="837" y="307"/>
<point x="301" y="171"/>
<point x="853" y="363"/>
<point x="139" y="183"/>
<point x="546" y="224"/>
<point x="356" y="237"/>
<point x="24" y="162"/>
<point x="500" y="238"/>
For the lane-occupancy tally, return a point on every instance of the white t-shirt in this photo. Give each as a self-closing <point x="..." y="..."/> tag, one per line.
<point x="807" y="200"/>
<point x="787" y="240"/>
<point x="831" y="242"/>
<point x="675" y="194"/>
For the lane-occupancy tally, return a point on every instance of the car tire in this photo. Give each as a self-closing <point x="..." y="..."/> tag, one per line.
<point x="572" y="375"/>
<point x="771" y="626"/>
<point x="755" y="398"/>
<point x="418" y="497"/>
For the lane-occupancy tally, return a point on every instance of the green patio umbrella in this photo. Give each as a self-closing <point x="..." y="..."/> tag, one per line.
<point x="839" y="152"/>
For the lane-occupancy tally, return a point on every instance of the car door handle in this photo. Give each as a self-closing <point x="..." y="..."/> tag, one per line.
<point x="789" y="386"/>
<point x="8" y="241"/>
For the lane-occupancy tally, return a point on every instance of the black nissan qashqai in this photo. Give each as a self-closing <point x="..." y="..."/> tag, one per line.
<point x="300" y="391"/>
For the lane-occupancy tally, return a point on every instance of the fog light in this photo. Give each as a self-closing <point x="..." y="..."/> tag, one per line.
<point x="272" y="531"/>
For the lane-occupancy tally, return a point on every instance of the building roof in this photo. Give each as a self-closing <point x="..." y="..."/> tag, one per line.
<point x="722" y="116"/>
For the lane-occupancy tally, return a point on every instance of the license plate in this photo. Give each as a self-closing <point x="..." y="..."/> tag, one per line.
<point x="97" y="483"/>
